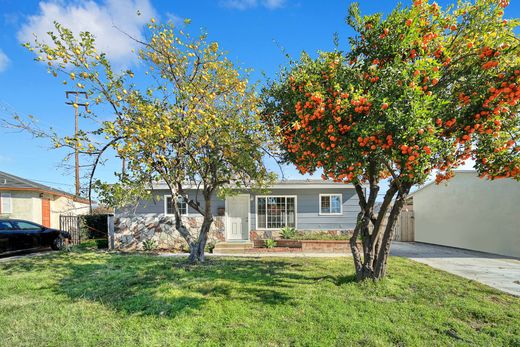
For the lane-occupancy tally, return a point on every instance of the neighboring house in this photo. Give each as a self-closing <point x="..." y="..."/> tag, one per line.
<point x="470" y="212"/>
<point x="307" y="205"/>
<point x="24" y="199"/>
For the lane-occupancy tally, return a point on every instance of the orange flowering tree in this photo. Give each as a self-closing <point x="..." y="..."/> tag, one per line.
<point x="421" y="91"/>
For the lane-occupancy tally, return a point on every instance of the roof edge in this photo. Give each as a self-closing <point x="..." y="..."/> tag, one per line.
<point x="46" y="191"/>
<point x="294" y="184"/>
<point x="426" y="185"/>
<point x="29" y="185"/>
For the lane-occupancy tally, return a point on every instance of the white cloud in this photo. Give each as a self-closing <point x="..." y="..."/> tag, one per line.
<point x="248" y="4"/>
<point x="273" y="4"/>
<point x="176" y="20"/>
<point x="99" y="19"/>
<point x="239" y="4"/>
<point x="4" y="61"/>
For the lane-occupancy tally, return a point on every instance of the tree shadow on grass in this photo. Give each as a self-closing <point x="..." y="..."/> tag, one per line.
<point x="151" y="286"/>
<point x="337" y="280"/>
<point x="148" y="285"/>
<point x="159" y="286"/>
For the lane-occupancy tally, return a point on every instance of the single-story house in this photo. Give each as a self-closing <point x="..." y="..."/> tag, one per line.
<point x="471" y="213"/>
<point x="24" y="199"/>
<point x="306" y="205"/>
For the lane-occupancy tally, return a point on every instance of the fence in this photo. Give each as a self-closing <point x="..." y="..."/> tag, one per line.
<point x="405" y="226"/>
<point x="110" y="222"/>
<point x="71" y="224"/>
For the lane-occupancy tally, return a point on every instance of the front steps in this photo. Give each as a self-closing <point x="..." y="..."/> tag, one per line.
<point x="237" y="247"/>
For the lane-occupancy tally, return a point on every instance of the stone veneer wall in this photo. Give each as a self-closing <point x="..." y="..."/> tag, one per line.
<point x="130" y="231"/>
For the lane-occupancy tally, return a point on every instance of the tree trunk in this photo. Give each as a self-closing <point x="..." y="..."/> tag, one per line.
<point x="197" y="248"/>
<point x="384" y="249"/>
<point x="363" y="267"/>
<point x="356" y="253"/>
<point x="371" y="264"/>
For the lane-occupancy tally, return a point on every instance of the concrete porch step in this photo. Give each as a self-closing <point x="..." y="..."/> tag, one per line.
<point x="232" y="247"/>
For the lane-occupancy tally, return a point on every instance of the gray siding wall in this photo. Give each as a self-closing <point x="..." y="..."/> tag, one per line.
<point x="157" y="206"/>
<point x="307" y="208"/>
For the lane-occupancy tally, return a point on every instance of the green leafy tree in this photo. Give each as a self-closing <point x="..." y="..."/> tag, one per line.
<point x="194" y="123"/>
<point x="421" y="91"/>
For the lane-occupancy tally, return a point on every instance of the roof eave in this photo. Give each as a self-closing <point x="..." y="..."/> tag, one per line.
<point x="279" y="185"/>
<point x="44" y="191"/>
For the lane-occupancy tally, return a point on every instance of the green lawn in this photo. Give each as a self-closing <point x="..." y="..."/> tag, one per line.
<point x="98" y="299"/>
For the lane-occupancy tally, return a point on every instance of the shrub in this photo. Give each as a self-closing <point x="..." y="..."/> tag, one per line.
<point x="320" y="236"/>
<point x="95" y="225"/>
<point x="210" y="246"/>
<point x="102" y="243"/>
<point x="269" y="243"/>
<point x="288" y="233"/>
<point x="87" y="245"/>
<point x="149" y="245"/>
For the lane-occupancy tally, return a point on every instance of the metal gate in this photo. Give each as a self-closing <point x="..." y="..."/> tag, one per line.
<point x="71" y="224"/>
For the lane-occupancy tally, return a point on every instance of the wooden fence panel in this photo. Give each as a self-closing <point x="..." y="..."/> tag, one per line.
<point x="405" y="227"/>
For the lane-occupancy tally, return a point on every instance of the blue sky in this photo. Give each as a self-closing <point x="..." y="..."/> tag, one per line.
<point x="251" y="30"/>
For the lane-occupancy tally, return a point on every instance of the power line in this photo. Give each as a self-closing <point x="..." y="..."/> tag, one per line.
<point x="50" y="182"/>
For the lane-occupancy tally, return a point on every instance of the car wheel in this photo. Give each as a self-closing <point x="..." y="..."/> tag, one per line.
<point x="58" y="243"/>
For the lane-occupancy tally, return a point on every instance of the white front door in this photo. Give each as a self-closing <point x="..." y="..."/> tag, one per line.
<point x="237" y="217"/>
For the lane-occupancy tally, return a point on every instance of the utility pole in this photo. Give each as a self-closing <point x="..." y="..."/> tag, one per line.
<point x="76" y="105"/>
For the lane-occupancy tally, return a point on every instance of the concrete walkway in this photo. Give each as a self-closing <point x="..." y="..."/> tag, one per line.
<point x="496" y="271"/>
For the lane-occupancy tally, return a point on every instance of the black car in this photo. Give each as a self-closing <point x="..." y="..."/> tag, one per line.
<point x="19" y="235"/>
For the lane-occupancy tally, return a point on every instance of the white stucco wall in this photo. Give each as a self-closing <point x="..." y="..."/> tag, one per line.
<point x="28" y="206"/>
<point x="469" y="212"/>
<point x="25" y="205"/>
<point x="64" y="205"/>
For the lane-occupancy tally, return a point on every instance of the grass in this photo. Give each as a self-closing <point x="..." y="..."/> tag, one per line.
<point x="92" y="298"/>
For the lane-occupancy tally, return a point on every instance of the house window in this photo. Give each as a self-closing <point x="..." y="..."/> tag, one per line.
<point x="275" y="212"/>
<point x="330" y="204"/>
<point x="5" y="203"/>
<point x="181" y="205"/>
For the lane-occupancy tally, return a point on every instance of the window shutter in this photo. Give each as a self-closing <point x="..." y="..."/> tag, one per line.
<point x="5" y="201"/>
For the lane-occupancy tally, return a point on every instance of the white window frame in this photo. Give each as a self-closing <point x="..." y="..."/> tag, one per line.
<point x="8" y="197"/>
<point x="331" y="213"/>
<point x="277" y="196"/>
<point x="166" y="207"/>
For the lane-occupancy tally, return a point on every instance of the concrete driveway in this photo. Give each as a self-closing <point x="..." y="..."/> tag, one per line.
<point x="496" y="271"/>
<point x="26" y="254"/>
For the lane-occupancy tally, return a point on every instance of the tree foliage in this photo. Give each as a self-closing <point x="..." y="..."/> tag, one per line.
<point x="191" y="121"/>
<point x="420" y="92"/>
